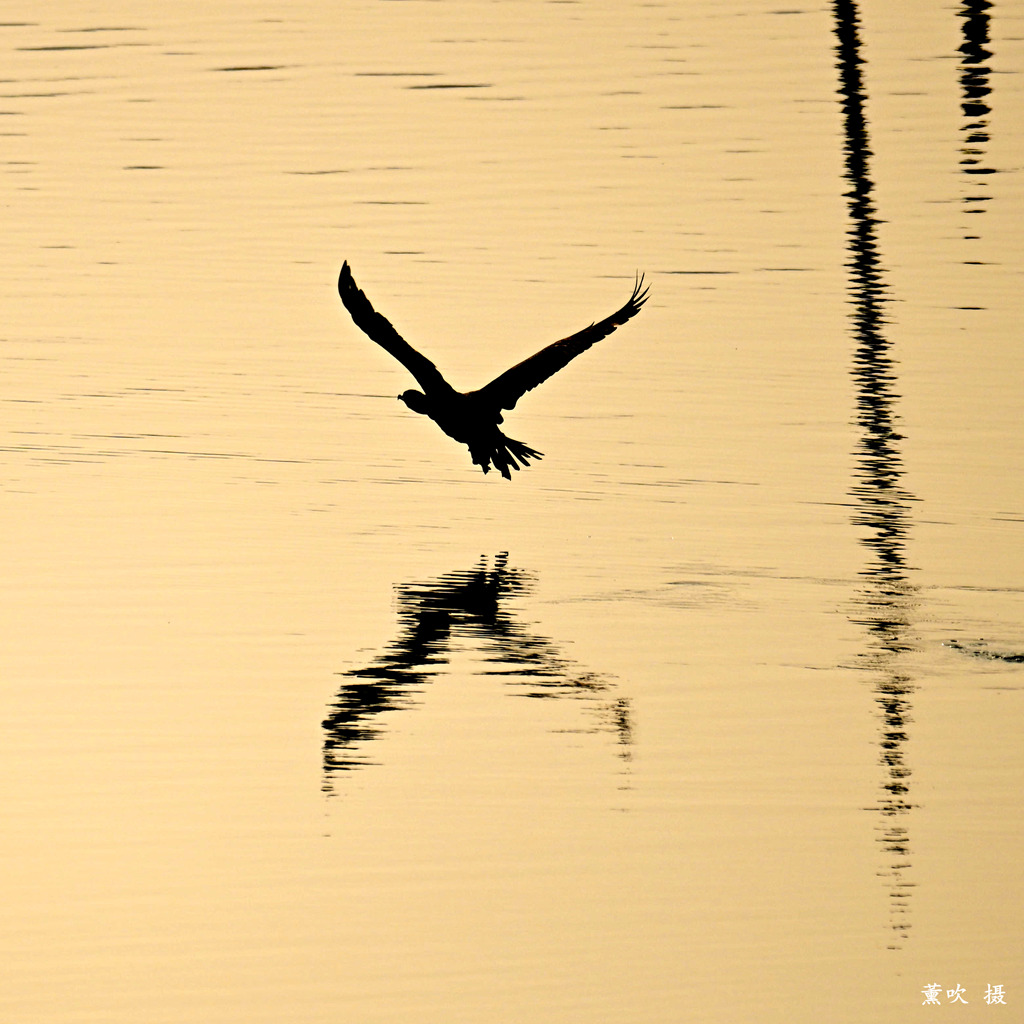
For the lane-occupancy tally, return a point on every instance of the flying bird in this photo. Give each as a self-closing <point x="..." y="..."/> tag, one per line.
<point x="472" y="417"/>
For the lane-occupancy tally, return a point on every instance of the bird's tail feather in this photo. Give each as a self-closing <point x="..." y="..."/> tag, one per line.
<point x="506" y="453"/>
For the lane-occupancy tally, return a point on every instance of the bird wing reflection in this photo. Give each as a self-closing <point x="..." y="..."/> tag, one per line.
<point x="469" y="603"/>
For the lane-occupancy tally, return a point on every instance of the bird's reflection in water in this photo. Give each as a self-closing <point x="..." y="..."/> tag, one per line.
<point x="469" y="604"/>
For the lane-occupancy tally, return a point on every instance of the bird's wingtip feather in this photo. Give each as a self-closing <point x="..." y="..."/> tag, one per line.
<point x="640" y="292"/>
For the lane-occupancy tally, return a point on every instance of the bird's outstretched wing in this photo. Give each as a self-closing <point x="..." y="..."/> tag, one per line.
<point x="507" y="389"/>
<point x="377" y="327"/>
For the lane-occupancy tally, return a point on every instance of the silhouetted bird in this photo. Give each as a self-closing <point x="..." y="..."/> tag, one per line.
<point x="472" y="417"/>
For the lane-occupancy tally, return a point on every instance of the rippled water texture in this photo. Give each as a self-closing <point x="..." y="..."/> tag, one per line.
<point x="713" y="714"/>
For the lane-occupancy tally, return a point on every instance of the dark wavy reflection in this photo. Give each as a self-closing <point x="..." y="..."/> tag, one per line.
<point x="458" y="605"/>
<point x="881" y="504"/>
<point x="975" y="90"/>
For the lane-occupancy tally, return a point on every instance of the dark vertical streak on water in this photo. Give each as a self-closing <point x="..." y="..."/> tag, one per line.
<point x="887" y="600"/>
<point x="975" y="90"/>
<point x="431" y="615"/>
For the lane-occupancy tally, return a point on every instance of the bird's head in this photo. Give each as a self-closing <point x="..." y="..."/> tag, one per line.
<point x="416" y="400"/>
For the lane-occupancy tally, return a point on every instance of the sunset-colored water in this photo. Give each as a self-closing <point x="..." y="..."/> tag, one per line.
<point x="713" y="714"/>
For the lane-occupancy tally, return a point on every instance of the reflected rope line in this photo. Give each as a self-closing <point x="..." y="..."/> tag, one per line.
<point x="881" y="503"/>
<point x="975" y="91"/>
<point x="432" y="615"/>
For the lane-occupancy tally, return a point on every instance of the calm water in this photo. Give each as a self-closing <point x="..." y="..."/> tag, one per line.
<point x="713" y="714"/>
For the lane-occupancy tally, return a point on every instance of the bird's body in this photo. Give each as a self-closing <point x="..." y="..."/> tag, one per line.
<point x="472" y="417"/>
<point x="472" y="421"/>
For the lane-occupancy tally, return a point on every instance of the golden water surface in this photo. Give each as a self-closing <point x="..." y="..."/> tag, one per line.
<point x="713" y="714"/>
